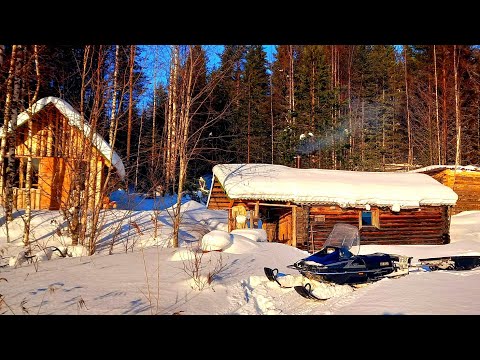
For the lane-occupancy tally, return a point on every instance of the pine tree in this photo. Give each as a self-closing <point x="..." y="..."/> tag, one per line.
<point x="313" y="98"/>
<point x="283" y="96"/>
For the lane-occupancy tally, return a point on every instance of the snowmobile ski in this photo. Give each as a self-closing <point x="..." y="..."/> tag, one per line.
<point x="273" y="275"/>
<point x="306" y="292"/>
<point x="460" y="262"/>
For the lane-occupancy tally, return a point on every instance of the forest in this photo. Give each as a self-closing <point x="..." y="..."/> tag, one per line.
<point x="172" y="112"/>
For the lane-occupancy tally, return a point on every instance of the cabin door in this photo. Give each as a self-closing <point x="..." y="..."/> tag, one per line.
<point x="285" y="227"/>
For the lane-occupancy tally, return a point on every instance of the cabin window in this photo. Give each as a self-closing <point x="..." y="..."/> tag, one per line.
<point x="369" y="218"/>
<point x="366" y="218"/>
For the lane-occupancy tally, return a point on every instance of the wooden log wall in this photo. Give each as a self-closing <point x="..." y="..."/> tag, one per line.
<point x="20" y="195"/>
<point x="302" y="224"/>
<point x="218" y="197"/>
<point x="467" y="186"/>
<point x="426" y="225"/>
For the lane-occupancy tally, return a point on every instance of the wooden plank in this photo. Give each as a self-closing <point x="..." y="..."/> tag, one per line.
<point x="294" y="226"/>
<point x="46" y="173"/>
<point x="272" y="205"/>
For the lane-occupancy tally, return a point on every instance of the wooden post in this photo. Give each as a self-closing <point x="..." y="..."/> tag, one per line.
<point x="229" y="219"/>
<point x="294" y="226"/>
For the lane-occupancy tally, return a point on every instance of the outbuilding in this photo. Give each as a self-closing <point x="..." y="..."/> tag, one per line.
<point x="464" y="180"/>
<point x="63" y="148"/>
<point x="299" y="207"/>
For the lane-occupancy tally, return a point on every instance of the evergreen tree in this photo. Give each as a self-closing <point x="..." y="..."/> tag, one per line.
<point x="254" y="125"/>
<point x="285" y="138"/>
<point x="313" y="102"/>
<point x="227" y="95"/>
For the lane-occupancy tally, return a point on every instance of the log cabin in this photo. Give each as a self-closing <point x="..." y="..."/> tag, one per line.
<point x="61" y="145"/>
<point x="299" y="207"/>
<point x="464" y="180"/>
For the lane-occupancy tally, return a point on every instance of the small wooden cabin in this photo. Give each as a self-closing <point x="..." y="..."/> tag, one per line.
<point x="464" y="180"/>
<point x="299" y="207"/>
<point x="61" y="145"/>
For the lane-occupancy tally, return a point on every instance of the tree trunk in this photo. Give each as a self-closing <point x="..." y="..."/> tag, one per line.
<point x="154" y="115"/>
<point x="6" y="122"/>
<point x="312" y="98"/>
<point x="362" y="152"/>
<point x="350" y="113"/>
<point x="436" y="106"/>
<point x="444" y="107"/>
<point x="271" y="116"/>
<point x="80" y="225"/>
<point x="409" y="128"/>
<point x="28" y="180"/>
<point x="171" y="145"/>
<point x="248" y="123"/>
<point x="458" y="150"/>
<point x="114" y="97"/>
<point x="291" y="86"/>
<point x="184" y="126"/>
<point x="383" y="131"/>
<point x="430" y="130"/>
<point x="2" y="54"/>
<point x="130" y="99"/>
<point x="11" y="142"/>
<point x="138" y="151"/>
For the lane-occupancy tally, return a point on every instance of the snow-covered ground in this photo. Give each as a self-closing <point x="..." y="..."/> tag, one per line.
<point x="140" y="277"/>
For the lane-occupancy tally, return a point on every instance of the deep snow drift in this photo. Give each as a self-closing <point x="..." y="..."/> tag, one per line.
<point x="146" y="276"/>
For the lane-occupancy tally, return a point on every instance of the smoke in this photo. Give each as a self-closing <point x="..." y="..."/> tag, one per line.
<point x="310" y="144"/>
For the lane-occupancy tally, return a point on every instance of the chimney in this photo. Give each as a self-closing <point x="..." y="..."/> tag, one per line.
<point x="298" y="159"/>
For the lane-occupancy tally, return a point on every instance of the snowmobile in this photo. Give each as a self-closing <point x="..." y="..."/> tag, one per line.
<point x="339" y="262"/>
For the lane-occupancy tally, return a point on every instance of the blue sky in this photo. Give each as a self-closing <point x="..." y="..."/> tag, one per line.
<point x="162" y="59"/>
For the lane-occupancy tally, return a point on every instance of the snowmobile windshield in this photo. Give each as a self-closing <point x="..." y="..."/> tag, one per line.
<point x="344" y="236"/>
<point x="334" y="255"/>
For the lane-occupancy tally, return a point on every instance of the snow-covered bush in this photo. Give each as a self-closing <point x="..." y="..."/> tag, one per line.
<point x="216" y="240"/>
<point x="259" y="235"/>
<point x="202" y="267"/>
<point x="77" y="251"/>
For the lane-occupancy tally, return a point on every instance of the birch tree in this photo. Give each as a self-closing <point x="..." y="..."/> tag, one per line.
<point x="28" y="180"/>
<point x="437" y="117"/>
<point x="130" y="97"/>
<point x="189" y="116"/>
<point x="409" y="127"/>
<point x="10" y="126"/>
<point x="2" y="54"/>
<point x="458" y="124"/>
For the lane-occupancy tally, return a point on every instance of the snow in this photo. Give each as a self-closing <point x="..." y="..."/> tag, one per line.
<point x="435" y="167"/>
<point x="216" y="240"/>
<point x="146" y="276"/>
<point x="74" y="119"/>
<point x="252" y="234"/>
<point x="344" y="188"/>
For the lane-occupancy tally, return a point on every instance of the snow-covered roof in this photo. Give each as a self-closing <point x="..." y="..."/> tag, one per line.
<point x="343" y="188"/>
<point x="441" y="167"/>
<point x="74" y="119"/>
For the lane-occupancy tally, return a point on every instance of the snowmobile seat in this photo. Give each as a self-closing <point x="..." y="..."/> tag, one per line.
<point x="325" y="258"/>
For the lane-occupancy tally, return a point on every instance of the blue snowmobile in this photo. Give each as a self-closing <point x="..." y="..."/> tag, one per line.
<point x="339" y="262"/>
